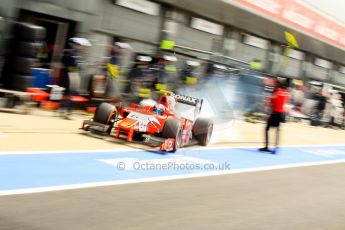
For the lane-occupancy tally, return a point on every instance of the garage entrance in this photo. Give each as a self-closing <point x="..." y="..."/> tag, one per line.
<point x="58" y="30"/>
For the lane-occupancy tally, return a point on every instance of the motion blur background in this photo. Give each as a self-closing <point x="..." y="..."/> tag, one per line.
<point x="228" y="52"/>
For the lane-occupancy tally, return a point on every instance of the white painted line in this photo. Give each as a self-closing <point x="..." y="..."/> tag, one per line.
<point x="70" y="151"/>
<point x="137" y="149"/>
<point x="282" y="146"/>
<point x="163" y="178"/>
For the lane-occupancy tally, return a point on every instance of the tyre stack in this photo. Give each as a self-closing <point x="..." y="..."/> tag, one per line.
<point x="27" y="43"/>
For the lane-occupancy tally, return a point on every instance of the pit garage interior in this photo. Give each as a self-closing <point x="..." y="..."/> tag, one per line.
<point x="231" y="33"/>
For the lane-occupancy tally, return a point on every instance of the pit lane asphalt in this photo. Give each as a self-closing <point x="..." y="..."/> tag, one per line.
<point x="295" y="198"/>
<point x="43" y="131"/>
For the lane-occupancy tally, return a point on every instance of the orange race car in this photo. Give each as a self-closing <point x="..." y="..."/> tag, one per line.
<point x="162" y="124"/>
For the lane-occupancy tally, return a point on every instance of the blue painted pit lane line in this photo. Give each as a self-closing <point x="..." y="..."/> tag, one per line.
<point x="32" y="172"/>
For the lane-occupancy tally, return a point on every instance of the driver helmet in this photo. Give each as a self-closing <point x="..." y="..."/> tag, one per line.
<point x="159" y="109"/>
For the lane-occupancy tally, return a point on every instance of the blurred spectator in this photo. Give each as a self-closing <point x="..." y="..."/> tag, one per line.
<point x="336" y="110"/>
<point x="70" y="80"/>
<point x="71" y="60"/>
<point x="166" y="73"/>
<point x="297" y="97"/>
<point x="140" y="77"/>
<point x="189" y="74"/>
<point x="159" y="72"/>
<point x="115" y="62"/>
<point x="321" y="104"/>
<point x="114" y="68"/>
<point x="278" y="101"/>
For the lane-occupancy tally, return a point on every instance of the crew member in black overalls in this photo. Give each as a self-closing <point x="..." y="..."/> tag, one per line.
<point x="70" y="61"/>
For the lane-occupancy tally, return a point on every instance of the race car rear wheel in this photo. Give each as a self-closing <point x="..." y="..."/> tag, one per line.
<point x="172" y="129"/>
<point x="104" y="113"/>
<point x="202" y="130"/>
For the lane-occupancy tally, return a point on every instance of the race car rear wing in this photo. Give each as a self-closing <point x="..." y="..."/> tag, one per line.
<point x="187" y="100"/>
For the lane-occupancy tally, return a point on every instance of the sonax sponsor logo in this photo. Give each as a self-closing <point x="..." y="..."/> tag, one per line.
<point x="185" y="99"/>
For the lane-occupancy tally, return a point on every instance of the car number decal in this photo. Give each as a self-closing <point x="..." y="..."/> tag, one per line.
<point x="143" y="120"/>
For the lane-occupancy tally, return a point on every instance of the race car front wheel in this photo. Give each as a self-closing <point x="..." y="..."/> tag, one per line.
<point x="104" y="113"/>
<point x="172" y="129"/>
<point x="202" y="130"/>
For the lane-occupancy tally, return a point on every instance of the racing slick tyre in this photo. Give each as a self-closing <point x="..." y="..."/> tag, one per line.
<point x="202" y="130"/>
<point x="104" y="113"/>
<point x="21" y="82"/>
<point x="28" y="49"/>
<point x="24" y="65"/>
<point x="172" y="129"/>
<point x="29" y="32"/>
